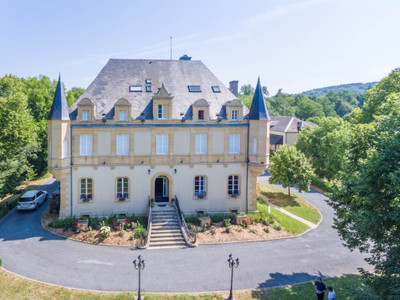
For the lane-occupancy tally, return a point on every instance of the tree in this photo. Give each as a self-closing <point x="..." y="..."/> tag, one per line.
<point x="73" y="94"/>
<point x="325" y="146"/>
<point x="290" y="167"/>
<point x="246" y="89"/>
<point x="265" y="91"/>
<point x="307" y="109"/>
<point x="367" y="203"/>
<point x="18" y="139"/>
<point x="281" y="104"/>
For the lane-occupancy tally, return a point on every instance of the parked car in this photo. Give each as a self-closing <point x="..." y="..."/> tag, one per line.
<point x="32" y="200"/>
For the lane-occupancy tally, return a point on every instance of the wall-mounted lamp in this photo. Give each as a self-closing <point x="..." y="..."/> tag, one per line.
<point x="175" y="171"/>
<point x="181" y="161"/>
<point x="148" y="171"/>
<point x="142" y="162"/>
<point x="262" y="162"/>
<point x="217" y="160"/>
<point x="183" y="119"/>
<point x="219" y="119"/>
<point x="104" y="162"/>
<point x="142" y="120"/>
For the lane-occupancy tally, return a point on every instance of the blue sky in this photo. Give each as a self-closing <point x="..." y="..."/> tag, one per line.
<point x="293" y="45"/>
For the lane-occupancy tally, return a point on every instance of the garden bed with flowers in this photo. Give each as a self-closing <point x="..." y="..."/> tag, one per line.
<point x="113" y="230"/>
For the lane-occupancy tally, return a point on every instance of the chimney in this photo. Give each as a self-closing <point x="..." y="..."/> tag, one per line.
<point x="234" y="87"/>
<point x="185" y="57"/>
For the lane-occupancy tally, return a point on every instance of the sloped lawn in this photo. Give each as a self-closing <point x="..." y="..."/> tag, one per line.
<point x="294" y="204"/>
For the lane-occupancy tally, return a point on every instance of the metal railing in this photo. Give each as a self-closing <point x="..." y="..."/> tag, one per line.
<point x="145" y="240"/>
<point x="190" y="237"/>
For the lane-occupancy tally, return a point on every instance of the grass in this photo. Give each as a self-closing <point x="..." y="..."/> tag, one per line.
<point x="294" y="204"/>
<point x="15" y="287"/>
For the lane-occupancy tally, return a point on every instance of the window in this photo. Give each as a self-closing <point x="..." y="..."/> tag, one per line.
<point x="122" y="115"/>
<point x="122" y="188"/>
<point x="234" y="143"/>
<point x="200" y="144"/>
<point x="148" y="81"/>
<point x="201" y="115"/>
<point x="235" y="115"/>
<point x="85" y="115"/>
<point x="162" y="112"/>
<point x="233" y="185"/>
<point x="200" y="186"/>
<point x="254" y="152"/>
<point x="148" y="88"/>
<point x="85" y="144"/>
<point x="50" y="149"/>
<point x="122" y="144"/>
<point x="194" y="88"/>
<point x="162" y="144"/>
<point x="216" y="89"/>
<point x="135" y="88"/>
<point x="65" y="143"/>
<point x="86" y="189"/>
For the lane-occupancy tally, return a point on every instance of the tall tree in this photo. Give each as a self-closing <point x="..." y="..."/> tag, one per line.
<point x="290" y="167"/>
<point x="367" y="203"/>
<point x="307" y="109"/>
<point x="246" y="89"/>
<point x="73" y="94"/>
<point x="325" y="146"/>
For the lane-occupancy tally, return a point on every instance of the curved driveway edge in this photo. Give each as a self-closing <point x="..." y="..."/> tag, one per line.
<point x="29" y="250"/>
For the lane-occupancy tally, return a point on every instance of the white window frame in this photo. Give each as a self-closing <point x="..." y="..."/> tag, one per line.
<point x="162" y="144"/>
<point x="235" y="115"/>
<point x="200" y="186"/>
<point x="122" y="115"/>
<point x="234" y="143"/>
<point x="85" y="145"/>
<point x="123" y="190"/>
<point x="65" y="147"/>
<point x="233" y="185"/>
<point x="86" y="192"/>
<point x="162" y="112"/>
<point x="254" y="152"/>
<point x="85" y="115"/>
<point x="122" y="144"/>
<point x="200" y="144"/>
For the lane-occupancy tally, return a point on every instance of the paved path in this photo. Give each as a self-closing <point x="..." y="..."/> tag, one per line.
<point x="29" y="250"/>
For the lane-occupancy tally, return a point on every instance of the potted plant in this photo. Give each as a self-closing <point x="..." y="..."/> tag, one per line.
<point x="201" y="195"/>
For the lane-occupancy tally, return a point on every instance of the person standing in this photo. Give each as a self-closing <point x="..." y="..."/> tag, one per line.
<point x="332" y="294"/>
<point x="320" y="288"/>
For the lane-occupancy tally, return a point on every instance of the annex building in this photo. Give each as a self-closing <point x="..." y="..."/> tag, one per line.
<point x="157" y="129"/>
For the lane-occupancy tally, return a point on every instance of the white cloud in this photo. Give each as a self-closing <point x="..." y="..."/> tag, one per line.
<point x="281" y="11"/>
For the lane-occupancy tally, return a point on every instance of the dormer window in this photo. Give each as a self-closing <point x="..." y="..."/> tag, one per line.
<point x="85" y="115"/>
<point x="194" y="88"/>
<point x="135" y="88"/>
<point x="201" y="115"/>
<point x="148" y="88"/>
<point x="235" y="115"/>
<point x="162" y="112"/>
<point x="122" y="115"/>
<point x="216" y="89"/>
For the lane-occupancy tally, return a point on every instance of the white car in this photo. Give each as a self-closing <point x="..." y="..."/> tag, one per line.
<point x="32" y="200"/>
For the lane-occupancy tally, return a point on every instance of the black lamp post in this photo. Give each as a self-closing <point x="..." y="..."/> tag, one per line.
<point x="232" y="264"/>
<point x="139" y="265"/>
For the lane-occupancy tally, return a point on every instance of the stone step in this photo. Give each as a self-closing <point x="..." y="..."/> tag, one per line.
<point x="164" y="215"/>
<point x="158" y="235"/>
<point x="166" y="231"/>
<point x="163" y="218"/>
<point x="164" y="227"/>
<point x="166" y="244"/>
<point x="167" y="239"/>
<point x="160" y="222"/>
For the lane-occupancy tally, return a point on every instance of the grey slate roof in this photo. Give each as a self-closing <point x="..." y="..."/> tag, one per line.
<point x="287" y="124"/>
<point x="59" y="108"/>
<point x="113" y="81"/>
<point x="258" y="109"/>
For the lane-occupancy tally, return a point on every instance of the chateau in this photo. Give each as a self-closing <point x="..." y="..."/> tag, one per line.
<point x="157" y="129"/>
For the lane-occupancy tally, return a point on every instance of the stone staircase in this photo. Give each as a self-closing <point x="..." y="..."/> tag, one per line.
<point x="165" y="230"/>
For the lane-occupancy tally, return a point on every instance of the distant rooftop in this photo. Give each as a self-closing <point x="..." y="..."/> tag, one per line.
<point x="288" y="124"/>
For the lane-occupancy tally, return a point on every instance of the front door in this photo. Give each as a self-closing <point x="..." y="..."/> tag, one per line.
<point x="161" y="189"/>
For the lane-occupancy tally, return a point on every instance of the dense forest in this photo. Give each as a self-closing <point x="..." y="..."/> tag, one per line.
<point x="24" y="107"/>
<point x="336" y="101"/>
<point x="355" y="88"/>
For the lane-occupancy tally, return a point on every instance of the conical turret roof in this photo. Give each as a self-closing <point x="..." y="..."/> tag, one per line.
<point x="59" y="109"/>
<point x="258" y="110"/>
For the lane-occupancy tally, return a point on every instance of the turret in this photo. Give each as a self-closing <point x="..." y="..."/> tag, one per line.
<point x="258" y="148"/>
<point x="59" y="147"/>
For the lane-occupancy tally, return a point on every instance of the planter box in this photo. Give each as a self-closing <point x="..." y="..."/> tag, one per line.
<point x="83" y="224"/>
<point x="240" y="218"/>
<point x="205" y="221"/>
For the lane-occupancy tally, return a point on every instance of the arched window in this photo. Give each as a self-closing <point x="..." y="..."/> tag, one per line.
<point x="65" y="154"/>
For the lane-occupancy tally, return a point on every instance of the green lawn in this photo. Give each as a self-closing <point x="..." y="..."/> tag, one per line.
<point x="294" y="204"/>
<point x="15" y="287"/>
